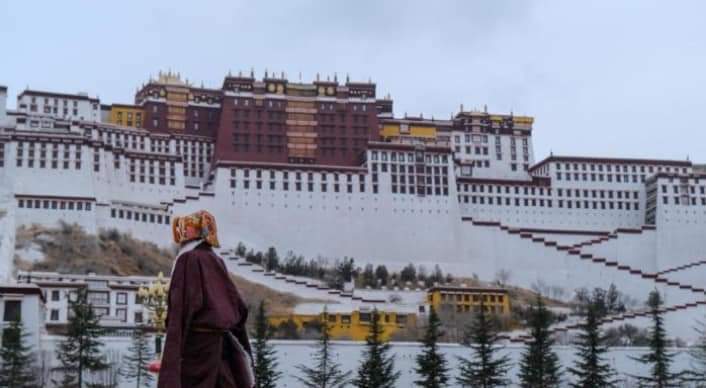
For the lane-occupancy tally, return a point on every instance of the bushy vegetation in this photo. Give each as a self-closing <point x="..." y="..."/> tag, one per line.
<point x="336" y="272"/>
<point x="604" y="302"/>
<point x="69" y="249"/>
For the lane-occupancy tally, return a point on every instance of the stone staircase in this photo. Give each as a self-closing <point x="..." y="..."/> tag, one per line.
<point x="683" y="267"/>
<point x="294" y="282"/>
<point x="575" y="250"/>
<point x="616" y="318"/>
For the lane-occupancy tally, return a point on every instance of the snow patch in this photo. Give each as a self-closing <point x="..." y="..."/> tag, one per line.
<point x="31" y="252"/>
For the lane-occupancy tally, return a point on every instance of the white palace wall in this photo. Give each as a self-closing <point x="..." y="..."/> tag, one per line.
<point x="383" y="227"/>
<point x="489" y="249"/>
<point x="371" y="223"/>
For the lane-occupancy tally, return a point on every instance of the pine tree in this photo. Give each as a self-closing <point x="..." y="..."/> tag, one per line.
<point x="591" y="369"/>
<point x="326" y="372"/>
<point x="382" y="274"/>
<point x="136" y="362"/>
<point x="368" y="277"/>
<point x="80" y="351"/>
<point x="658" y="358"/>
<point x="377" y="370"/>
<point x="266" y="374"/>
<point x="271" y="259"/>
<point x="408" y="274"/>
<point x="431" y="365"/>
<point x="539" y="366"/>
<point x="697" y="352"/>
<point x="484" y="369"/>
<point x="16" y="357"/>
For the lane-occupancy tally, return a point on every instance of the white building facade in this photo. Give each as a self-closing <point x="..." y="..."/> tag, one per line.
<point x="475" y="205"/>
<point x="114" y="299"/>
<point x="24" y="303"/>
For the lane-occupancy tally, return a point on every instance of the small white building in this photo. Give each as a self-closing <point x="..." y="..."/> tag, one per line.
<point x="59" y="105"/>
<point x="26" y="303"/>
<point x="114" y="298"/>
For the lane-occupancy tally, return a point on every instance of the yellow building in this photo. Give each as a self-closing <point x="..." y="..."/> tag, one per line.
<point x="126" y="115"/>
<point x="413" y="129"/>
<point x="350" y="325"/>
<point x="468" y="299"/>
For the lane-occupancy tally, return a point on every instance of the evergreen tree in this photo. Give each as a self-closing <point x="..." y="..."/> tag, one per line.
<point x="658" y="358"/>
<point x="484" y="369"/>
<point x="16" y="357"/>
<point x="539" y="366"/>
<point x="436" y="277"/>
<point x="697" y="352"/>
<point x="266" y="374"/>
<point x="326" y="372"/>
<point x="80" y="351"/>
<point x="408" y="274"/>
<point x="431" y="365"/>
<point x="591" y="369"/>
<point x="422" y="275"/>
<point x="136" y="362"/>
<point x="343" y="273"/>
<point x="368" y="278"/>
<point x="271" y="260"/>
<point x="377" y="370"/>
<point x="449" y="278"/>
<point x="382" y="274"/>
<point x="240" y="250"/>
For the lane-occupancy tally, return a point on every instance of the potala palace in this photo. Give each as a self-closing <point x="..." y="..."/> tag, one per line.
<point x="325" y="168"/>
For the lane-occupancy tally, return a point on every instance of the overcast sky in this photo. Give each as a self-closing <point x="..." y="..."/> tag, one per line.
<point x="602" y="78"/>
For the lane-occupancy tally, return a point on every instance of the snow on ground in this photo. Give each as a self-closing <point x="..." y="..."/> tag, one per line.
<point x="403" y="301"/>
<point x="290" y="354"/>
<point x="281" y="285"/>
<point x="31" y="252"/>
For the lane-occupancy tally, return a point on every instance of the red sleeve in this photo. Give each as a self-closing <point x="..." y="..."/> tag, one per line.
<point x="185" y="299"/>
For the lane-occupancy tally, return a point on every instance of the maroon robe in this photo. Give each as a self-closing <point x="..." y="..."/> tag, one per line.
<point x="203" y="305"/>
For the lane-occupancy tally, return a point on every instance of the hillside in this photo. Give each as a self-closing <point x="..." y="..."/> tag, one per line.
<point x="69" y="249"/>
<point x="276" y="302"/>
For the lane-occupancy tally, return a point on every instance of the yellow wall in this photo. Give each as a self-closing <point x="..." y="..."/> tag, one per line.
<point x="469" y="301"/>
<point x="127" y="116"/>
<point x="516" y="119"/>
<point x="390" y="130"/>
<point x="348" y="326"/>
<point x="420" y="131"/>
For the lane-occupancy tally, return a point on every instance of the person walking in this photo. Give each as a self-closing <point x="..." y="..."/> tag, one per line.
<point x="206" y="342"/>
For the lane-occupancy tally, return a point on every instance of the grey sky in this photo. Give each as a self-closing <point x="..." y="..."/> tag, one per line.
<point x="603" y="78"/>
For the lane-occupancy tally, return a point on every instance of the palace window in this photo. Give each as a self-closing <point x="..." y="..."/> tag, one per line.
<point x="13" y="310"/>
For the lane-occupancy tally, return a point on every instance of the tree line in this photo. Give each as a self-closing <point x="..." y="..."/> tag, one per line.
<point x="83" y="361"/>
<point x="487" y="365"/>
<point x="335" y="273"/>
